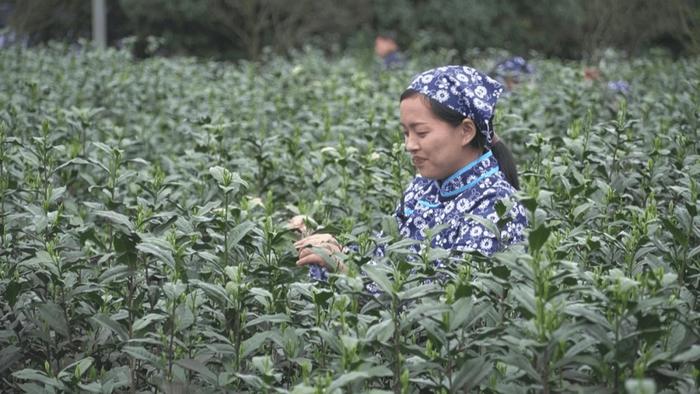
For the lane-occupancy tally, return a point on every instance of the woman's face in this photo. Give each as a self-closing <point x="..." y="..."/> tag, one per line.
<point x="437" y="148"/>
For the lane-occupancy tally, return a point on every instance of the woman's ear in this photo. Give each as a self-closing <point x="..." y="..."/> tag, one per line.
<point x="468" y="130"/>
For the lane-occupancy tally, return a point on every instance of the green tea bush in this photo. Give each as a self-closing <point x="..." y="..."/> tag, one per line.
<point x="144" y="244"/>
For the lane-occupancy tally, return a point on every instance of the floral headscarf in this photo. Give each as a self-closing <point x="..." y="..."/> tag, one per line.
<point x="513" y="67"/>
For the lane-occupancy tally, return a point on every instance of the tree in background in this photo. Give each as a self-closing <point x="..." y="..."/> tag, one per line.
<point x="638" y="24"/>
<point x="242" y="28"/>
<point x="51" y="19"/>
<point x="65" y="20"/>
<point x="282" y="24"/>
<point x="564" y="28"/>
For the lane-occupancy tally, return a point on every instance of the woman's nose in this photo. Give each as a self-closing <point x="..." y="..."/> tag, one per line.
<point x="410" y="143"/>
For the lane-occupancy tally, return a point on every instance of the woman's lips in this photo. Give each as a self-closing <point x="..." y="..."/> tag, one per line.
<point x="417" y="161"/>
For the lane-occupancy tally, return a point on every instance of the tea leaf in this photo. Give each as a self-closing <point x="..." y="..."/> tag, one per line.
<point x="198" y="367"/>
<point x="80" y="366"/>
<point x="8" y="356"/>
<point x="145" y="321"/>
<point x="140" y="353"/>
<point x="241" y="230"/>
<point x="113" y="274"/>
<point x="355" y="375"/>
<point x="525" y="298"/>
<point x="111" y="325"/>
<point x="157" y="248"/>
<point x="12" y="289"/>
<point x="378" y="277"/>
<point x="689" y="355"/>
<point x="54" y="316"/>
<point x="276" y="318"/>
<point x="538" y="237"/>
<point x="382" y="331"/>
<point x="38" y="376"/>
<point x="470" y="374"/>
<point x="120" y="220"/>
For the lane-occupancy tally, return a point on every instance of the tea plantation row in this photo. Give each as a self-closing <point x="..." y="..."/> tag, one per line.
<point x="144" y="245"/>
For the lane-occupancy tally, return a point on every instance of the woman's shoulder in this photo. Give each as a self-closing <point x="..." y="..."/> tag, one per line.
<point x="482" y="200"/>
<point x="418" y="184"/>
<point x="501" y="189"/>
<point x="495" y="188"/>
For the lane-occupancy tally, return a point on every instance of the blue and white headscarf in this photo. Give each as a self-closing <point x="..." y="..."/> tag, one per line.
<point x="621" y="87"/>
<point x="513" y="67"/>
<point x="465" y="90"/>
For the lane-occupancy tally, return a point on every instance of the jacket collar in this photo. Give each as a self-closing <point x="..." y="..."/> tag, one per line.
<point x="468" y="176"/>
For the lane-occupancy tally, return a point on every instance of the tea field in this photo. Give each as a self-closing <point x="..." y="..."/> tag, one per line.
<point x="144" y="243"/>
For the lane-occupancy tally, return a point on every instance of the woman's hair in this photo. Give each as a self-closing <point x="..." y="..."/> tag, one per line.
<point x="505" y="159"/>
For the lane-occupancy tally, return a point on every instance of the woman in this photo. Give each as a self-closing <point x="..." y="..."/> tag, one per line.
<point x="464" y="170"/>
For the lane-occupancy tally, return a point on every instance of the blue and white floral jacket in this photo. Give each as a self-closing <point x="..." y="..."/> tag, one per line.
<point x="473" y="190"/>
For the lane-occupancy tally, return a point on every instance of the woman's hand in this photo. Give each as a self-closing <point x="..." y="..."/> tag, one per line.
<point x="298" y="225"/>
<point x="325" y="241"/>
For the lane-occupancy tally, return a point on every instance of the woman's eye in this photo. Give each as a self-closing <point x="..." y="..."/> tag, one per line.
<point x="419" y="134"/>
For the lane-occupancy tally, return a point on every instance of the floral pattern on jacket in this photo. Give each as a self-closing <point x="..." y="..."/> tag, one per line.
<point x="473" y="190"/>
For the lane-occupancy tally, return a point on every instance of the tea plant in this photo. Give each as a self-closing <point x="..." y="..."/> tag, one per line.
<point x="144" y="244"/>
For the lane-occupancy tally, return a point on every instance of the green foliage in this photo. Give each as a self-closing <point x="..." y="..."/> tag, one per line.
<point x="569" y="28"/>
<point x="143" y="242"/>
<point x="250" y="28"/>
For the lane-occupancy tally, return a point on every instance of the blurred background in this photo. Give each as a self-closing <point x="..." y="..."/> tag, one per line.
<point x="248" y="29"/>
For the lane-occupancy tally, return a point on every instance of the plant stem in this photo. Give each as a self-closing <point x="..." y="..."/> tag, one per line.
<point x="449" y="370"/>
<point x="397" y="346"/>
<point x="237" y="337"/>
<point x="170" y="345"/>
<point x="3" y="185"/>
<point x="132" y="362"/>
<point x="545" y="373"/>
<point x="226" y="229"/>
<point x="616" y="371"/>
